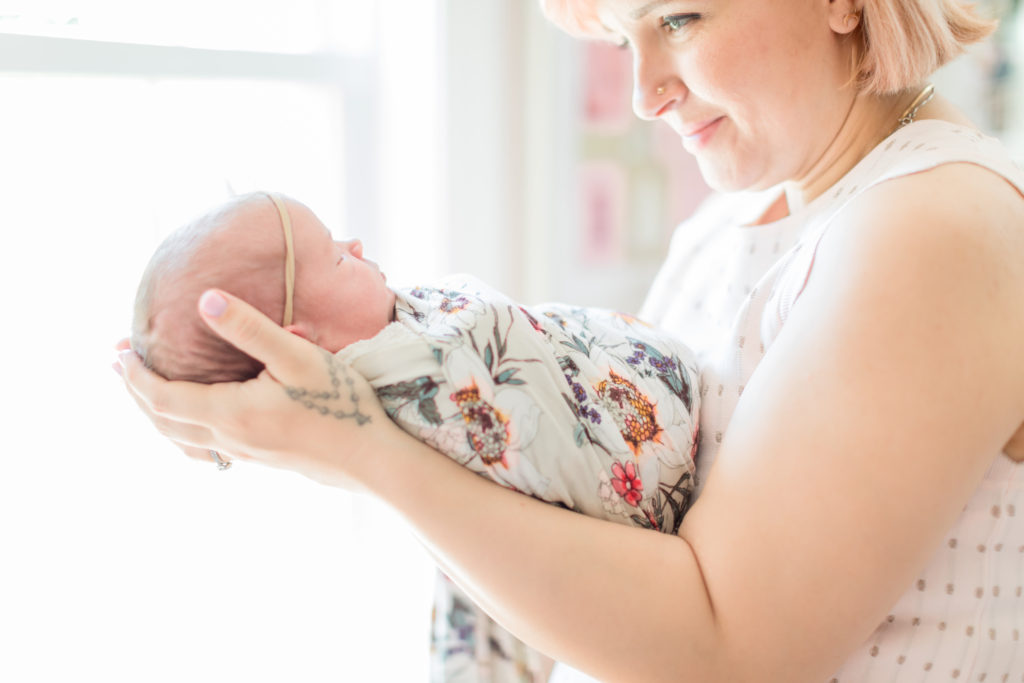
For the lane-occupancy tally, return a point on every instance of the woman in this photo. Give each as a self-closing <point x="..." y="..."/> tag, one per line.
<point x="860" y="521"/>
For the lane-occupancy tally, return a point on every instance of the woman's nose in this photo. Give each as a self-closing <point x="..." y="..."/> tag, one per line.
<point x="655" y="90"/>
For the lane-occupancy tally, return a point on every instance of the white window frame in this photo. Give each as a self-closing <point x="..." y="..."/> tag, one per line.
<point x="353" y="76"/>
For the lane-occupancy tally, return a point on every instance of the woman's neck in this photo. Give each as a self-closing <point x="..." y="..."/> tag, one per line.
<point x="870" y="119"/>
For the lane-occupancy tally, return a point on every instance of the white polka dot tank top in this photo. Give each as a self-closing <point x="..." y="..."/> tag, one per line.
<point x="726" y="289"/>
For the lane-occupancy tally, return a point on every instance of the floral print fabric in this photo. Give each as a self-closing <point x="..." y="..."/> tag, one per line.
<point x="584" y="408"/>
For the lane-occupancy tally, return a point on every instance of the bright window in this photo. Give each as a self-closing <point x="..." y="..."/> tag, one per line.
<point x="299" y="26"/>
<point x="123" y="560"/>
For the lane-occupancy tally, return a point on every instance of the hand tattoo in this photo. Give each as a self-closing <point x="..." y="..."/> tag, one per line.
<point x="320" y="401"/>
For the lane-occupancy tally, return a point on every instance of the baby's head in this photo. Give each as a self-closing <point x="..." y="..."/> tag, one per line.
<point x="240" y="247"/>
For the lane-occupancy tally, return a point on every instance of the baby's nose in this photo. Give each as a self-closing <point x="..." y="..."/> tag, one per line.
<point x="354" y="247"/>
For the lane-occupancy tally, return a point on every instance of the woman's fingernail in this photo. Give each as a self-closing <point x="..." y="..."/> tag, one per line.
<point x="124" y="355"/>
<point x="117" y="369"/>
<point x="212" y="304"/>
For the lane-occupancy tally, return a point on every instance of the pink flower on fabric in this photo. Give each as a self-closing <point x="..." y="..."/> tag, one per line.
<point x="627" y="483"/>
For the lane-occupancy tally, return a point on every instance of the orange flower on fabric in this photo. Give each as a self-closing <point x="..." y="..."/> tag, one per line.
<point x="633" y="412"/>
<point x="487" y="427"/>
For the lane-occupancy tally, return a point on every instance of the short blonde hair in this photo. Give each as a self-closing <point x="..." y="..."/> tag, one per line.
<point x="900" y="42"/>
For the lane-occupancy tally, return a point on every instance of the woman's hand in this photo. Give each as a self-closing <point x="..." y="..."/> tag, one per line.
<point x="306" y="412"/>
<point x="163" y="426"/>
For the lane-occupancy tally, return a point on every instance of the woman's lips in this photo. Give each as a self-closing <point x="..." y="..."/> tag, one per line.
<point x="699" y="135"/>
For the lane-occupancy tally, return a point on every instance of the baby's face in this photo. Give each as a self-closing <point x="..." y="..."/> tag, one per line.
<point x="339" y="295"/>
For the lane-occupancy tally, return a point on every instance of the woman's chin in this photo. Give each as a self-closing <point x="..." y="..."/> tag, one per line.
<point x="720" y="181"/>
<point x="727" y="177"/>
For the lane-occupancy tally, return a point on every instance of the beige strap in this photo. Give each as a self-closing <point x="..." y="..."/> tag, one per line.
<point x="289" y="257"/>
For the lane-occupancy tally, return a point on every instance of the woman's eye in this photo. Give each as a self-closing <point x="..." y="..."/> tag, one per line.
<point x="675" y="22"/>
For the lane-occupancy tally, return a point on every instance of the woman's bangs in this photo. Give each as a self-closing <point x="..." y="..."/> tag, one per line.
<point x="575" y="17"/>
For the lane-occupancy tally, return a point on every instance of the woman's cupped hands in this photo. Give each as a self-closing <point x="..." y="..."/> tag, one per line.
<point x="307" y="411"/>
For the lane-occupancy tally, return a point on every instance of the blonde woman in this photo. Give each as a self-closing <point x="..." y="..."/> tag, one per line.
<point x="859" y="327"/>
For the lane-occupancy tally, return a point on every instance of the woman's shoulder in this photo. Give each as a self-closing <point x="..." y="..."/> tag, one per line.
<point x="957" y="200"/>
<point x="954" y="184"/>
<point x="927" y="145"/>
<point x="953" y="232"/>
<point x="933" y="183"/>
<point x="939" y="228"/>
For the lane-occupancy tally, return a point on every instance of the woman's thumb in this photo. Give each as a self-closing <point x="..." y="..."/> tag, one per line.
<point x="249" y="330"/>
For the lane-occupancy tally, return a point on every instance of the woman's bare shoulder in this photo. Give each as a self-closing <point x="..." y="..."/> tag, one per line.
<point x="952" y="218"/>
<point x="945" y="245"/>
<point x="959" y="196"/>
<point x="871" y="418"/>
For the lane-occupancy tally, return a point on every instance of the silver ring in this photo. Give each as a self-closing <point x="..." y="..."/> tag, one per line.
<point x="222" y="464"/>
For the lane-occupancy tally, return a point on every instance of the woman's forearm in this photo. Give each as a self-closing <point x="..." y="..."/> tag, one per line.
<point x="621" y="603"/>
<point x="624" y="604"/>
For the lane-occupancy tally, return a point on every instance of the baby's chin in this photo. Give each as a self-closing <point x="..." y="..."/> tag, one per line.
<point x="337" y="341"/>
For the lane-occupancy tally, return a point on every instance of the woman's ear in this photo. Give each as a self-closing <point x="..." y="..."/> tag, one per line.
<point x="844" y="16"/>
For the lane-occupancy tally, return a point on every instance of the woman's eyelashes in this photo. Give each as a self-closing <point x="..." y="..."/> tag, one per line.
<point x="671" y="23"/>
<point x="674" y="23"/>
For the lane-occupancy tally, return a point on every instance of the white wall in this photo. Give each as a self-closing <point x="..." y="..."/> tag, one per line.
<point x="510" y="148"/>
<point x="509" y="144"/>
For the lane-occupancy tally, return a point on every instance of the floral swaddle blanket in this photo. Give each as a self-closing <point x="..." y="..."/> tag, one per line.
<point x="583" y="408"/>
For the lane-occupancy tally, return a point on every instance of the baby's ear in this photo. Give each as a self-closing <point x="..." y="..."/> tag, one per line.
<point x="302" y="330"/>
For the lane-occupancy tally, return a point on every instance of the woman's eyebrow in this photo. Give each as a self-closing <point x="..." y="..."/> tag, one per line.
<point x="646" y="9"/>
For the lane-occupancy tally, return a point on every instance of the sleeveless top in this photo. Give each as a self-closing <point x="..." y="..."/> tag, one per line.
<point x="726" y="289"/>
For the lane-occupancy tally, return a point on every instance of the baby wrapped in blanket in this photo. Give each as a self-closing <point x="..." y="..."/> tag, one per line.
<point x="579" y="407"/>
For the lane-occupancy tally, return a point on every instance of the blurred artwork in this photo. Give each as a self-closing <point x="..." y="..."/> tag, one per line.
<point x="603" y="194"/>
<point x="608" y="79"/>
<point x="634" y="184"/>
<point x="684" y="188"/>
<point x="636" y="181"/>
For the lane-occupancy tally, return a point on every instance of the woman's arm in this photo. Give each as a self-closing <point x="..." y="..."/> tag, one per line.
<point x="894" y="383"/>
<point x="532" y="565"/>
<point x="853" y="449"/>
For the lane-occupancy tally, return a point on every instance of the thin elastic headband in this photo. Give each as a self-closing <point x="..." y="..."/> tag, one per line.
<point x="289" y="257"/>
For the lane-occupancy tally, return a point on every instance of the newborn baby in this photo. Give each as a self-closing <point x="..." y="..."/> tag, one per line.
<point x="583" y="408"/>
<point x="243" y="247"/>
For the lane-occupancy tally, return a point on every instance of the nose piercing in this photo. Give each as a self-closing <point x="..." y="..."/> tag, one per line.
<point x="660" y="90"/>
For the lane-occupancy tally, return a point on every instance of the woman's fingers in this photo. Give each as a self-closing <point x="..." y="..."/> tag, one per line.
<point x="251" y="331"/>
<point x="201" y="455"/>
<point x="292" y="415"/>
<point x="206" y="455"/>
<point x="193" y="440"/>
<point x="162" y="399"/>
<point x="183" y="434"/>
